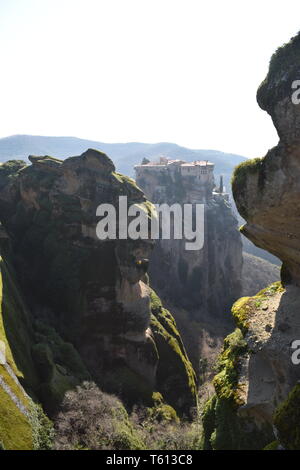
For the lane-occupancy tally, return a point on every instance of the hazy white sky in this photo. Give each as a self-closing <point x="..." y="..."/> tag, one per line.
<point x="183" y="71"/>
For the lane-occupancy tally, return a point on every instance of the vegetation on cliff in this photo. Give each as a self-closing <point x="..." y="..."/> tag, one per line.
<point x="91" y="419"/>
<point x="276" y="86"/>
<point x="23" y="425"/>
<point x="182" y="379"/>
<point x="76" y="309"/>
<point x="287" y="420"/>
<point x="239" y="179"/>
<point x="223" y="427"/>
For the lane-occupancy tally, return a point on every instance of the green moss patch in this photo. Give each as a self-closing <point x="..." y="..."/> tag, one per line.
<point x="222" y="427"/>
<point x="161" y="411"/>
<point x="176" y="378"/>
<point x="226" y="381"/>
<point x="15" y="327"/>
<point x="9" y="170"/>
<point x="285" y="56"/>
<point x="282" y="72"/>
<point x="246" y="306"/>
<point x="287" y="420"/>
<point x="18" y="431"/>
<point x="239" y="181"/>
<point x="272" y="446"/>
<point x="129" y="183"/>
<point x="220" y="423"/>
<point x="59" y="366"/>
<point x="15" y="428"/>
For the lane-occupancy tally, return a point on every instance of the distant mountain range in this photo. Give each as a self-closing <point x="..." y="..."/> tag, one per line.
<point x="124" y="155"/>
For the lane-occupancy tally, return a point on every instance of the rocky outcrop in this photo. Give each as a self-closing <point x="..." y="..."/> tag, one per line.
<point x="205" y="281"/>
<point x="23" y="425"/>
<point x="89" y="299"/>
<point x="257" y="396"/>
<point x="266" y="190"/>
<point x="199" y="286"/>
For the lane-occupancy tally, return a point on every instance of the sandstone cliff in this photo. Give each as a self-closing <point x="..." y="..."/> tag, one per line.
<point x="199" y="286"/>
<point x="257" y="396"/>
<point x="86" y="307"/>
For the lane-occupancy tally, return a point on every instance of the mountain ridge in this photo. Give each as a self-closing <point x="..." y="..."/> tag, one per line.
<point x="125" y="155"/>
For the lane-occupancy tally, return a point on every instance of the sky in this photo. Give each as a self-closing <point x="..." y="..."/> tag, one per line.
<point x="182" y="71"/>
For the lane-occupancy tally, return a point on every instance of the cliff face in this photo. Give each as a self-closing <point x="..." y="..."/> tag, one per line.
<point x="93" y="294"/>
<point x="256" y="372"/>
<point x="266" y="190"/>
<point x="199" y="285"/>
<point x="207" y="281"/>
<point x="21" y="421"/>
<point x="257" y="273"/>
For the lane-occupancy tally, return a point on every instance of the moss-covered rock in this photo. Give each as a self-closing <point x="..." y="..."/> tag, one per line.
<point x="23" y="425"/>
<point x="266" y="192"/>
<point x="89" y="303"/>
<point x="239" y="179"/>
<point x="222" y="429"/>
<point x="283" y="69"/>
<point x="287" y="420"/>
<point x="246" y="306"/>
<point x="224" y="425"/>
<point x="272" y="446"/>
<point x="226" y="381"/>
<point x="59" y="367"/>
<point x="176" y="378"/>
<point x="161" y="411"/>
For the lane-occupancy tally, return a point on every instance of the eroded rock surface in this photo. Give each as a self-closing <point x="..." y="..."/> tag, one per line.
<point x="93" y="292"/>
<point x="256" y="387"/>
<point x="199" y="286"/>
<point x="267" y="190"/>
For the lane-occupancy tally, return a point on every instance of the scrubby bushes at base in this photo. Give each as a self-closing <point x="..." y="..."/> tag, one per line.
<point x="42" y="429"/>
<point x="91" y="419"/>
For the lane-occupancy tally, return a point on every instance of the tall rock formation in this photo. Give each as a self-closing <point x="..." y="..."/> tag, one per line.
<point x="199" y="285"/>
<point x="255" y="401"/>
<point x="90" y="310"/>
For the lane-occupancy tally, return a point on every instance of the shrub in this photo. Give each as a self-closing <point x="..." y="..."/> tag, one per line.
<point x="42" y="429"/>
<point x="91" y="419"/>
<point x="162" y="433"/>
